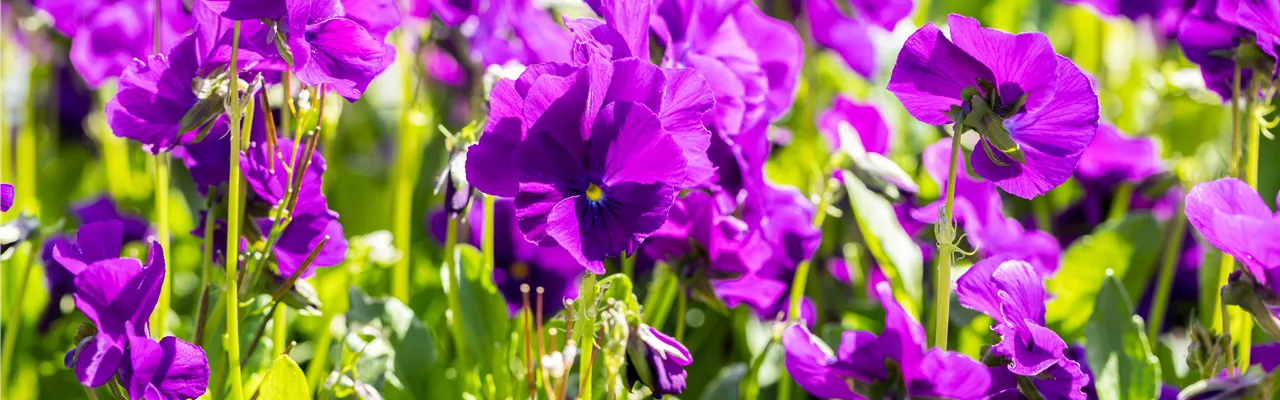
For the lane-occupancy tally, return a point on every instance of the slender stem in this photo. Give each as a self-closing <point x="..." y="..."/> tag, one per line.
<point x="1120" y="202"/>
<point x="233" y="229"/>
<point x="317" y="368"/>
<point x="946" y="253"/>
<point x="453" y="276"/>
<point x="279" y="332"/>
<point x="1172" y="250"/>
<point x="682" y="305"/>
<point x="487" y="242"/>
<point x="1226" y="330"/>
<point x="1234" y="157"/>
<point x="801" y="279"/>
<point x="15" y="319"/>
<point x="161" y="312"/>
<point x="1245" y="325"/>
<point x="405" y="176"/>
<point x="206" y="267"/>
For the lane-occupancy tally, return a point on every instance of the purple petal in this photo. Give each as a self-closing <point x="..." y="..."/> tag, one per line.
<point x="153" y="97"/>
<point x="379" y="17"/>
<point x="848" y="37"/>
<point x="97" y="360"/>
<point x="685" y="101"/>
<point x="1052" y="139"/>
<point x="1231" y="215"/>
<point x="631" y="20"/>
<point x="1022" y="64"/>
<point x="240" y="10"/>
<point x="303" y="235"/>
<point x="930" y="74"/>
<point x="628" y="144"/>
<point x="489" y="163"/>
<point x="976" y="289"/>
<point x="1113" y="158"/>
<point x="760" y="293"/>
<point x="592" y="231"/>
<point x="865" y="120"/>
<point x="951" y="375"/>
<point x="338" y="52"/>
<point x="100" y="287"/>
<point x="809" y="362"/>
<point x="1022" y="294"/>
<point x="885" y="13"/>
<point x="6" y="197"/>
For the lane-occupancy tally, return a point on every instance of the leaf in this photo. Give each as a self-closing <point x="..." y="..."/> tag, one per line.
<point x="284" y="381"/>
<point x="1128" y="247"/>
<point x="726" y="385"/>
<point x="1121" y="359"/>
<point x="663" y="288"/>
<point x="891" y="246"/>
<point x="485" y="318"/>
<point x="402" y="350"/>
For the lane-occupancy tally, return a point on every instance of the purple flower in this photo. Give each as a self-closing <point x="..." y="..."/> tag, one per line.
<point x="667" y="359"/>
<point x="1209" y="35"/>
<point x="117" y="295"/>
<point x="1012" y="292"/>
<point x="1113" y="158"/>
<point x="106" y="36"/>
<point x="6" y="197"/>
<point x="784" y="218"/>
<point x="154" y="96"/>
<point x="518" y="262"/>
<point x="1262" y="17"/>
<point x="850" y="36"/>
<point x="1035" y="110"/>
<point x="864" y="119"/>
<point x="979" y="209"/>
<point x="103" y="208"/>
<point x="586" y="153"/>
<point x="898" y="354"/>
<point x="1232" y="216"/>
<point x="329" y="48"/>
<point x="310" y="222"/>
<point x="729" y="246"/>
<point x="750" y="60"/>
<point x="64" y="259"/>
<point x="171" y="369"/>
<point x="1165" y="13"/>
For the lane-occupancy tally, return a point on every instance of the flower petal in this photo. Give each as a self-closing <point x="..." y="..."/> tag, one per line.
<point x="930" y="74"/>
<point x="809" y="361"/>
<point x="489" y="163"/>
<point x="1022" y="64"/>
<point x="951" y="375"/>
<point x="628" y="144"/>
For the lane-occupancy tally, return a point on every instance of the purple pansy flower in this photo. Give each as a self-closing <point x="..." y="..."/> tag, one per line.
<point x="1209" y="35"/>
<point x="107" y="35"/>
<point x="1262" y="17"/>
<point x="311" y="221"/>
<point x="979" y="209"/>
<point x="1113" y="158"/>
<point x="1166" y="14"/>
<point x="1037" y="111"/>
<point x="784" y="217"/>
<point x="897" y="354"/>
<point x="667" y="359"/>
<point x="1232" y="216"/>
<point x="6" y="197"/>
<point x="849" y="36"/>
<point x="517" y="261"/>
<point x="117" y="295"/>
<point x="65" y="259"/>
<point x="171" y="369"/>
<point x="864" y="119"/>
<point x="586" y="154"/>
<point x="1012" y="292"/>
<point x="329" y="48"/>
<point x="103" y="208"/>
<point x="500" y="32"/>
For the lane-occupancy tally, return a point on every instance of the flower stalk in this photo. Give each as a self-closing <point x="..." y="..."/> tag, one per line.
<point x="1172" y="251"/>
<point x="162" y="212"/>
<point x="946" y="233"/>
<point x="234" y="218"/>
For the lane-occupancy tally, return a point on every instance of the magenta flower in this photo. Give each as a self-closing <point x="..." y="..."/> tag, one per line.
<point x="1012" y="292"/>
<point x="849" y="36"/>
<point x="311" y="221"/>
<point x="329" y="48"/>
<point x="6" y="197"/>
<point x="1166" y="14"/>
<point x="1035" y="110"/>
<point x="107" y="35"/>
<point x="864" y="119"/>
<point x="667" y="359"/>
<point x="865" y="359"/>
<point x="1262" y="17"/>
<point x="1209" y="36"/>
<point x="117" y="295"/>
<point x="170" y="369"/>
<point x="1232" y="216"/>
<point x="1113" y="158"/>
<point x="980" y="210"/>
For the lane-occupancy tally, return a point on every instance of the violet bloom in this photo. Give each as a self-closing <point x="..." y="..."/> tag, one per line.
<point x="1012" y="292"/>
<point x="865" y="359"/>
<point x="864" y="119"/>
<point x="170" y="369"/>
<point x="585" y="153"/>
<point x="1113" y="158"/>
<point x="1232" y="216"/>
<point x="1209" y="36"/>
<point x="667" y="359"/>
<point x="117" y="295"/>
<point x="6" y="197"/>
<point x="311" y="221"/>
<point x="518" y="262"/>
<point x="1034" y="109"/>
<point x="64" y="259"/>
<point x="784" y="217"/>
<point x="979" y="209"/>
<point x="103" y="208"/>
<point x="329" y="48"/>
<point x="1262" y="17"/>
<point x="1166" y="14"/>
<point x="499" y="32"/>
<point x="107" y="35"/>
<point x="751" y="61"/>
<point x="850" y="36"/>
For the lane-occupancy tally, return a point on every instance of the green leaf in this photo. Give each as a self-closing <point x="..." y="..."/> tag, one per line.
<point x="1128" y="247"/>
<point x="726" y="385"/>
<point x="891" y="246"/>
<point x="284" y="381"/>
<point x="1122" y="362"/>
<point x="663" y="288"/>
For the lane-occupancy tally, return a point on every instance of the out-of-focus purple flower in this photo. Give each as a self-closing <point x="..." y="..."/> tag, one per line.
<point x="784" y="217"/>
<point x="864" y="119"/>
<point x="1113" y="158"/>
<point x="849" y="35"/>
<point x="6" y="197"/>
<point x="444" y="68"/>
<point x="117" y="295"/>
<point x="1262" y="17"/>
<point x="451" y="12"/>
<point x="106" y="36"/>
<point x="1232" y="216"/>
<point x="751" y="61"/>
<point x="667" y="359"/>
<point x="1166" y="14"/>
<point x="517" y="261"/>
<point x="729" y="246"/>
<point x="979" y="209"/>
<point x="170" y="369"/>
<point x="499" y="32"/>
<point x="758" y="292"/>
<point x="864" y="359"/>
<point x="1036" y="111"/>
<point x="311" y="221"/>
<point x="1057" y="382"/>
<point x="329" y="48"/>
<point x="1012" y="292"/>
<point x="1209" y="35"/>
<point x="247" y="9"/>
<point x="595" y="135"/>
<point x="103" y="208"/>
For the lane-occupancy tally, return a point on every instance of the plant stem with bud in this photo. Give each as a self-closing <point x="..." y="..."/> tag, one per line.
<point x="946" y="249"/>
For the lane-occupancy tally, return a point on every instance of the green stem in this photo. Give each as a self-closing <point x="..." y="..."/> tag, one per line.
<point x="234" y="218"/>
<point x="682" y="306"/>
<point x="1120" y="202"/>
<point x="279" y="332"/>
<point x="158" y="317"/>
<point x="946" y="253"/>
<point x="453" y="276"/>
<point x="15" y="319"/>
<point x="487" y="242"/>
<point x="1172" y="250"/>
<point x="801" y="279"/>
<point x="585" y="331"/>
<point x="206" y="268"/>
<point x="1245" y="328"/>
<point x="405" y="177"/>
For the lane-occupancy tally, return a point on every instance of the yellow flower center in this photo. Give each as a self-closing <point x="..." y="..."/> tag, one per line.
<point x="594" y="193"/>
<point x="519" y="270"/>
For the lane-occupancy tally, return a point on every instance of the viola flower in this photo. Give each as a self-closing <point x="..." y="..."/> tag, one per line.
<point x="311" y="221"/>
<point x="1262" y="17"/>
<point x="1232" y="216"/>
<point x="1113" y="158"/>
<point x="64" y="259"/>
<point x="1166" y="14"/>
<point x="864" y="119"/>
<point x="106" y="36"/>
<point x="1012" y="292"/>
<point x="117" y="295"/>
<point x="6" y="197"/>
<point x="850" y="36"/>
<point x="1209" y="35"/>
<point x="1035" y="111"/>
<point x="865" y="359"/>
<point x="979" y="209"/>
<point x="170" y="369"/>
<point x="518" y="262"/>
<point x="784" y="218"/>
<point x="667" y="359"/>
<point x="329" y="48"/>
<point x="103" y="208"/>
